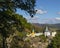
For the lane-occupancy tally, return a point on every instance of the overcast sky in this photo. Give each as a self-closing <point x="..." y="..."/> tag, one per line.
<point x="48" y="11"/>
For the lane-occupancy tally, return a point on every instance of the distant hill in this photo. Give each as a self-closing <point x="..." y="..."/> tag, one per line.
<point x="52" y="26"/>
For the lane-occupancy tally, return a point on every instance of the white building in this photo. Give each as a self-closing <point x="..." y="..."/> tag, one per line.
<point x="38" y="34"/>
<point x="53" y="34"/>
<point x="47" y="32"/>
<point x="33" y="34"/>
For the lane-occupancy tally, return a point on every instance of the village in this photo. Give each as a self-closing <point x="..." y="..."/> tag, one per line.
<point x="46" y="33"/>
<point x="40" y="39"/>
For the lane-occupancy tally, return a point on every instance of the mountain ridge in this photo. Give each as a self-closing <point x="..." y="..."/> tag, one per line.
<point x="53" y="26"/>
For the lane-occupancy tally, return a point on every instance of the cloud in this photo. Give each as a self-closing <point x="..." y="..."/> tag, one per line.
<point x="34" y="18"/>
<point x="41" y="11"/>
<point x="57" y="18"/>
<point x="37" y="19"/>
<point x="52" y="20"/>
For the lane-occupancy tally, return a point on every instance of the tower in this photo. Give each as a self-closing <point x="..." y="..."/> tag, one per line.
<point x="47" y="32"/>
<point x="33" y="31"/>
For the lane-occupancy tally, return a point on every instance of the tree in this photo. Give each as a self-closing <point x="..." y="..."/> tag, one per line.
<point x="27" y="5"/>
<point x="7" y="25"/>
<point x="7" y="22"/>
<point x="10" y="22"/>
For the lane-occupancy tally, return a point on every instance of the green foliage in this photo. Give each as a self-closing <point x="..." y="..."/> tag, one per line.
<point x="0" y="41"/>
<point x="43" y="38"/>
<point x="21" y="34"/>
<point x="55" y="42"/>
<point x="7" y="26"/>
<point x="10" y="22"/>
<point x="27" y="5"/>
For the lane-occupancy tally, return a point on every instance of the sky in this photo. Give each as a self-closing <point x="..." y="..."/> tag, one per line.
<point x="48" y="12"/>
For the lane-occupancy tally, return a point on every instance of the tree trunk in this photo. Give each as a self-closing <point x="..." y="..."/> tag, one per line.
<point x="4" y="44"/>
